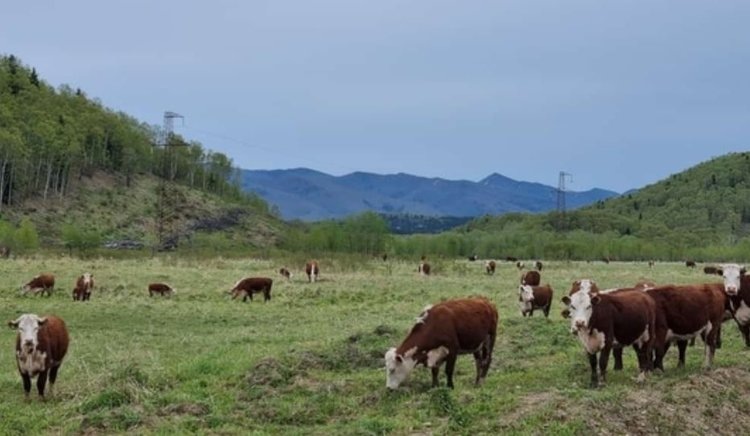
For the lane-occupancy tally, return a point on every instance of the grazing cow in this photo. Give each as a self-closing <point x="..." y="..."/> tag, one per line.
<point x="602" y="320"/>
<point x="424" y="268"/>
<point x="535" y="297"/>
<point x="520" y="265"/>
<point x="473" y="257"/>
<point x="161" y="289"/>
<point x="84" y="286"/>
<point x="312" y="271"/>
<point x="711" y="270"/>
<point x="531" y="278"/>
<point x="538" y="265"/>
<point x="41" y="344"/>
<point x="686" y="312"/>
<point x="247" y="286"/>
<point x="690" y="263"/>
<point x="489" y="266"/>
<point x="40" y="284"/>
<point x="285" y="273"/>
<point x="441" y="333"/>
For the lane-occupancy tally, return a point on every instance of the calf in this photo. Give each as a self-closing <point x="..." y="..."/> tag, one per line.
<point x="285" y="273"/>
<point x="84" y="286"/>
<point x="160" y="289"/>
<point x="40" y="284"/>
<point x="602" y="320"/>
<point x="531" y="278"/>
<point x="538" y="265"/>
<point x="424" y="268"/>
<point x="489" y="266"/>
<point x="41" y="344"/>
<point x="535" y="297"/>
<point x="312" y="271"/>
<point x="247" y="286"/>
<point x="441" y="333"/>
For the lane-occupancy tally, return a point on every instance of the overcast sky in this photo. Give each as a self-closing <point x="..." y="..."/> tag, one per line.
<point x="618" y="93"/>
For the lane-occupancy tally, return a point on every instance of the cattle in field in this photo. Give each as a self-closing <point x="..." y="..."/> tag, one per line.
<point x="41" y="344"/>
<point x="160" y="289"/>
<point x="603" y="320"/>
<point x="247" y="286"/>
<point x="424" y="268"/>
<point x="690" y="263"/>
<point x="520" y="265"/>
<point x="489" y="266"/>
<point x="441" y="333"/>
<point x="535" y="297"/>
<point x="686" y="312"/>
<point x="83" y="288"/>
<point x="473" y="257"/>
<point x="312" y="270"/>
<point x="285" y="273"/>
<point x="531" y="278"/>
<point x="43" y="283"/>
<point x="538" y="265"/>
<point x="511" y="259"/>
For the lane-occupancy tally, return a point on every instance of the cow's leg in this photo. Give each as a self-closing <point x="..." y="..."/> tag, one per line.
<point x="604" y="361"/>
<point x="450" y="364"/>
<point x="531" y="312"/>
<point x="711" y="344"/>
<point x="644" y="357"/>
<point x="479" y="364"/>
<point x="745" y="330"/>
<point x="266" y="295"/>
<point x="594" y="377"/>
<point x="546" y="310"/>
<point x="26" y="384"/>
<point x="681" y="347"/>
<point x="41" y="381"/>
<point x="52" y="379"/>
<point x="617" y="353"/>
<point x="435" y="372"/>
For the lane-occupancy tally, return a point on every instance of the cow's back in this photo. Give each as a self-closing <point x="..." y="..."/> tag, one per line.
<point x="470" y="320"/>
<point x="53" y="336"/>
<point x="688" y="307"/>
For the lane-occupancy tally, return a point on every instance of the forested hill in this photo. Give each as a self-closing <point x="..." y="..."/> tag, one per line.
<point x="53" y="140"/>
<point x="706" y="204"/>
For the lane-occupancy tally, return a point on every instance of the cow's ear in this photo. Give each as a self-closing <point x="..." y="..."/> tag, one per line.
<point x="595" y="299"/>
<point x="13" y="324"/>
<point x="42" y="321"/>
<point x="565" y="313"/>
<point x="566" y="300"/>
<point x="742" y="271"/>
<point x="399" y="359"/>
<point x="719" y="272"/>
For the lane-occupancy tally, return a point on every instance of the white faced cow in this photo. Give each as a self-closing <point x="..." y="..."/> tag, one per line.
<point x="732" y="273"/>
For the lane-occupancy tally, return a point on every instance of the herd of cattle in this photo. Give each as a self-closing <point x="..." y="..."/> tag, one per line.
<point x="645" y="316"/>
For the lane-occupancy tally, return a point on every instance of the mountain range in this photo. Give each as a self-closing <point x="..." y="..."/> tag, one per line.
<point x="311" y="195"/>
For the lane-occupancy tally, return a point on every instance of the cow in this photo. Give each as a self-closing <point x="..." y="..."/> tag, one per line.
<point x="711" y="270"/>
<point x="489" y="266"/>
<point x="602" y="320"/>
<point x="520" y="265"/>
<point x="83" y="288"/>
<point x="473" y="257"/>
<point x="249" y="285"/>
<point x="650" y="263"/>
<point x="538" y="265"/>
<point x="4" y="251"/>
<point x="41" y="344"/>
<point x="535" y="297"/>
<point x="441" y="333"/>
<point x="43" y="283"/>
<point x="690" y="263"/>
<point x="384" y="257"/>
<point x="511" y="259"/>
<point x="312" y="271"/>
<point x="424" y="268"/>
<point x="531" y="278"/>
<point x="285" y="273"/>
<point x="161" y="289"/>
<point x="688" y="311"/>
<point x="605" y="259"/>
<point x="737" y="289"/>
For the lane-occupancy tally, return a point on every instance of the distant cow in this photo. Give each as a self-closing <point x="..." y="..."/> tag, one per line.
<point x="531" y="278"/>
<point x="4" y="251"/>
<point x="602" y="320"/>
<point x="690" y="263"/>
<point x="424" y="268"/>
<point x="650" y="263"/>
<point x="40" y="284"/>
<point x="84" y="286"/>
<point x="538" y="265"/>
<point x="247" y="286"/>
<point x="520" y="265"/>
<point x="41" y="344"/>
<point x="312" y="271"/>
<point x="489" y="266"/>
<point x="535" y="297"/>
<point x="160" y="289"/>
<point x="511" y="259"/>
<point x="285" y="273"/>
<point x="473" y="257"/>
<point x="711" y="270"/>
<point x="605" y="259"/>
<point x="384" y="257"/>
<point x="441" y="333"/>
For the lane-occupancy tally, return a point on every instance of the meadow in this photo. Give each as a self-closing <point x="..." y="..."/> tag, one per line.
<point x="310" y="361"/>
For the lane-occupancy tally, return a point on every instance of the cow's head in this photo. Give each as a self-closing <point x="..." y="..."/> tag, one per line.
<point x="584" y="285"/>
<point x="28" y="326"/>
<point x="398" y="367"/>
<point x="525" y="297"/>
<point x="731" y="273"/>
<point x="580" y="307"/>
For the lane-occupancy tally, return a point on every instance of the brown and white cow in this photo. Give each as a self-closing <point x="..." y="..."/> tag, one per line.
<point x="531" y="278"/>
<point x="285" y="273"/>
<point x="40" y="284"/>
<point x="737" y="288"/>
<point x="312" y="271"/>
<point x="249" y="285"/>
<point x="603" y="320"/>
<point x="473" y="258"/>
<point x="441" y="333"/>
<point x="160" y="289"/>
<point x="424" y="268"/>
<point x="535" y="297"/>
<point x="688" y="311"/>
<point x="520" y="265"/>
<point x="489" y="266"/>
<point x="84" y="286"/>
<point x="41" y="344"/>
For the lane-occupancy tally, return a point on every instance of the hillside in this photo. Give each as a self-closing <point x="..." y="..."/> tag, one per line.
<point x="312" y="195"/>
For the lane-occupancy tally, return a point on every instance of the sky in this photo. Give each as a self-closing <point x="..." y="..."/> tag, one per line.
<point x="619" y="94"/>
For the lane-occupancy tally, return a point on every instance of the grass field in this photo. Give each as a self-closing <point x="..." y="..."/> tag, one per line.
<point x="310" y="360"/>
